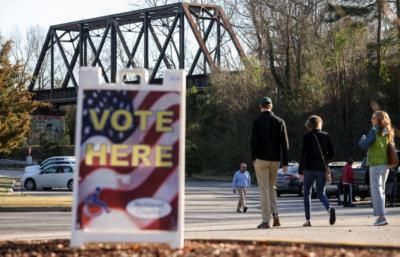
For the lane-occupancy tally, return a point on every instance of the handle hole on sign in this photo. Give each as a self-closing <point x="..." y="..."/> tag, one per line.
<point x="131" y="79"/>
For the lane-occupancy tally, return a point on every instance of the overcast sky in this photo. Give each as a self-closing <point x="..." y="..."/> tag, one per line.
<point x="22" y="14"/>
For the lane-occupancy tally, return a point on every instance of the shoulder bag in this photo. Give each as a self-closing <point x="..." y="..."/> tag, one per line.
<point x="328" y="173"/>
<point x="393" y="159"/>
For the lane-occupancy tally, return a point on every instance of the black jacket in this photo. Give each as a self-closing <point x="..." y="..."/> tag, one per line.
<point x="269" y="139"/>
<point x="311" y="158"/>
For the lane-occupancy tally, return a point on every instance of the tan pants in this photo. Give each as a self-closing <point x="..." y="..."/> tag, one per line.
<point x="242" y="197"/>
<point x="266" y="172"/>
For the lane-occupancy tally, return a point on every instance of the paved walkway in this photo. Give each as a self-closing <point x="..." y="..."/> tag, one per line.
<point x="211" y="214"/>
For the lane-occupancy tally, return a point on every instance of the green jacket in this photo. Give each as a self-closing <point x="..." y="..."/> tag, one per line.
<point x="377" y="151"/>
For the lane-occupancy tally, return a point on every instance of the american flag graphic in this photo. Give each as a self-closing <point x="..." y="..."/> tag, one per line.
<point x="122" y="185"/>
<point x="110" y="100"/>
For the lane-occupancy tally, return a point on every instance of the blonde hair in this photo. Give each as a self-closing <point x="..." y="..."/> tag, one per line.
<point x="383" y="121"/>
<point x="313" y="122"/>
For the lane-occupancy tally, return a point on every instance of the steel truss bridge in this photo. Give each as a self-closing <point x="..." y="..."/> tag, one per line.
<point x="153" y="38"/>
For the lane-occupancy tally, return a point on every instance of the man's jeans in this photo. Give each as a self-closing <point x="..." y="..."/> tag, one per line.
<point x="266" y="172"/>
<point x="309" y="177"/>
<point x="377" y="179"/>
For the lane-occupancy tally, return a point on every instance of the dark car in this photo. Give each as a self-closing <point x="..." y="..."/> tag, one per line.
<point x="331" y="188"/>
<point x="361" y="187"/>
<point x="360" y="173"/>
<point x="393" y="184"/>
<point x="392" y="189"/>
<point x="360" y="180"/>
<point x="290" y="182"/>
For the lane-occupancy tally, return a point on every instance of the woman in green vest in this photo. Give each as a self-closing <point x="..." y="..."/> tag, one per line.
<point x="377" y="140"/>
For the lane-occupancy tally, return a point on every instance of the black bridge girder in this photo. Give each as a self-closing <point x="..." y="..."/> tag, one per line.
<point x="68" y="96"/>
<point x="119" y="38"/>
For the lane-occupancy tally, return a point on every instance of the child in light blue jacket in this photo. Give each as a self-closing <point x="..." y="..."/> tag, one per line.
<point x="241" y="181"/>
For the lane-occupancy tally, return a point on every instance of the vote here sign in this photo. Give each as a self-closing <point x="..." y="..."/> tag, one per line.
<point x="129" y="178"/>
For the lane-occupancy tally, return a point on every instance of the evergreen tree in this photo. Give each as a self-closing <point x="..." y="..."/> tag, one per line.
<point x="16" y="103"/>
<point x="364" y="11"/>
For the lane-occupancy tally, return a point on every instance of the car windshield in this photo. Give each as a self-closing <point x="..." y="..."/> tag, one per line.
<point x="49" y="164"/>
<point x="55" y="159"/>
<point x="356" y="165"/>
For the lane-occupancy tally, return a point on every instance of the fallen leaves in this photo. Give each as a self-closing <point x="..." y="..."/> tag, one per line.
<point x="53" y="248"/>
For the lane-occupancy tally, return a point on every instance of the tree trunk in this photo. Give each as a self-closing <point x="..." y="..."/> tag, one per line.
<point x="275" y="75"/>
<point x="256" y="23"/>
<point x="287" y="52"/>
<point x="398" y="20"/>
<point x="398" y="38"/>
<point x="378" y="39"/>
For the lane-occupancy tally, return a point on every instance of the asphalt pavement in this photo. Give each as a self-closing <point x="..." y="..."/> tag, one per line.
<point x="11" y="173"/>
<point x="210" y="213"/>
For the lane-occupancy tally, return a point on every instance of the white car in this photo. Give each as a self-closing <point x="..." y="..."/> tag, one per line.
<point x="55" y="176"/>
<point x="51" y="160"/>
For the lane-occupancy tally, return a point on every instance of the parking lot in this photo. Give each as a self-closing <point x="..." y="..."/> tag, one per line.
<point x="210" y="213"/>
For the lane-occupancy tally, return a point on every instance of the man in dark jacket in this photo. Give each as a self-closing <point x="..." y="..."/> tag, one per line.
<point x="269" y="146"/>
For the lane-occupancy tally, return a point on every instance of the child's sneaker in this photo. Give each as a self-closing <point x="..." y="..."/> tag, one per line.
<point x="307" y="223"/>
<point x="245" y="209"/>
<point x="238" y="210"/>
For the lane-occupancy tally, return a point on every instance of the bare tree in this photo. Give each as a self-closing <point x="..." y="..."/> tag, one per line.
<point x="26" y="51"/>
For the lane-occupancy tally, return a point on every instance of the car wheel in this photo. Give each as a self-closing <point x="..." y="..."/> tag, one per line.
<point x="30" y="184"/>
<point x="357" y="198"/>
<point x="47" y="188"/>
<point x="70" y="185"/>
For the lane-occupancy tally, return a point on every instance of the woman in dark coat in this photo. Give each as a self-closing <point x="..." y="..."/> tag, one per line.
<point x="315" y="151"/>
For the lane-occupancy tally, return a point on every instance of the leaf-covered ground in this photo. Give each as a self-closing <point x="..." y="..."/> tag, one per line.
<point x="192" y="248"/>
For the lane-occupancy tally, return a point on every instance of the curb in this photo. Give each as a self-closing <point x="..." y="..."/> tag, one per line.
<point x="38" y="237"/>
<point x="348" y="245"/>
<point x="35" y="209"/>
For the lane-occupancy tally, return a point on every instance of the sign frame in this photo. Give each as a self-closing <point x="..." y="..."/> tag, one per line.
<point x="174" y="80"/>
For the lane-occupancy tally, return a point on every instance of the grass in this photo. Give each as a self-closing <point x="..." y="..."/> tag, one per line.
<point x="10" y="201"/>
<point x="5" y="184"/>
<point x="5" y="180"/>
<point x="21" y="201"/>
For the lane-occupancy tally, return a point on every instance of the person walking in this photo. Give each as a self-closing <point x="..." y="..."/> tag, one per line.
<point x="241" y="182"/>
<point x="269" y="146"/>
<point x="348" y="184"/>
<point x="379" y="136"/>
<point x="316" y="149"/>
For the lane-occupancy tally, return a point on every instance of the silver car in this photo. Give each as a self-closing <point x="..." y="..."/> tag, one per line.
<point x="55" y="176"/>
